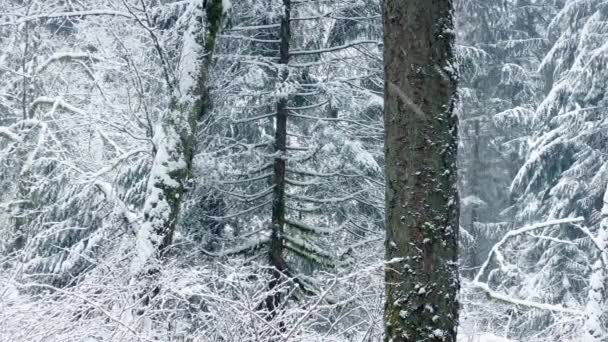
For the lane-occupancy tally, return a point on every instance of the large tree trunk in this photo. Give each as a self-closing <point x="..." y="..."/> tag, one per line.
<point x="421" y="196"/>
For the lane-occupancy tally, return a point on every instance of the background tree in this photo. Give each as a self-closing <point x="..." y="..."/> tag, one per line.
<point x="331" y="201"/>
<point x="500" y="46"/>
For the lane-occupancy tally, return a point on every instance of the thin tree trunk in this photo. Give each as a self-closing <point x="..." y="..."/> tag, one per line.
<point x="421" y="196"/>
<point x="277" y="244"/>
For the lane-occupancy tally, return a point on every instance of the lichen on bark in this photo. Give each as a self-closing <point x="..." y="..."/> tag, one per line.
<point x="420" y="147"/>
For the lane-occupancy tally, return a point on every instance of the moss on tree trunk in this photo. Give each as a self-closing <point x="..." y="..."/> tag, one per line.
<point x="175" y="146"/>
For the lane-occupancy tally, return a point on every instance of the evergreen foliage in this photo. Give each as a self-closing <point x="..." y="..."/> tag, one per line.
<point x="90" y="90"/>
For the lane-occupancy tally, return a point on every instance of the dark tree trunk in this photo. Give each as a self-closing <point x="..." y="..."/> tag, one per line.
<point x="277" y="244"/>
<point x="421" y="195"/>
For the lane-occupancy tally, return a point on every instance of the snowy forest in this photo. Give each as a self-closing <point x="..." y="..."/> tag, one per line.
<point x="303" y="170"/>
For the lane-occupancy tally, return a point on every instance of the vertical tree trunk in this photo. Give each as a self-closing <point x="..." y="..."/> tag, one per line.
<point x="277" y="258"/>
<point x="174" y="139"/>
<point x="421" y="196"/>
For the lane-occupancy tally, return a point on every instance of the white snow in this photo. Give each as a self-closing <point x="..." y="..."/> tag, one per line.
<point x="484" y="337"/>
<point x="226" y="5"/>
<point x="157" y="209"/>
<point x="5" y="132"/>
<point x="62" y="56"/>
<point x="191" y="50"/>
<point x="472" y="200"/>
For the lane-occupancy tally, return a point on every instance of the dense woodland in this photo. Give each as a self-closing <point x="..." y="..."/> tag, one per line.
<point x="216" y="170"/>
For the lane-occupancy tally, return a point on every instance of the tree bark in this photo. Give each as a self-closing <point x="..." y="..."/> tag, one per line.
<point x="421" y="194"/>
<point x="175" y="139"/>
<point x="277" y="243"/>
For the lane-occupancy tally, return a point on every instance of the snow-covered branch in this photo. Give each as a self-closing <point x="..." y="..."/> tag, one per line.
<point x="495" y="251"/>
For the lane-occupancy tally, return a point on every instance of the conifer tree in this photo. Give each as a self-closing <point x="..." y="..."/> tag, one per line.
<point x="421" y="197"/>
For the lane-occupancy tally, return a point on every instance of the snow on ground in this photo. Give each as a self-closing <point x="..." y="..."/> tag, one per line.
<point x="483" y="338"/>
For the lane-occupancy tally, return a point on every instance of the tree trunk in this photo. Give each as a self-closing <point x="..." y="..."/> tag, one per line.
<point x="174" y="139"/>
<point x="421" y="197"/>
<point x="277" y="244"/>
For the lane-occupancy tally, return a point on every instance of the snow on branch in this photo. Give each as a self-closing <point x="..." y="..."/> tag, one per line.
<point x="251" y="39"/>
<point x="97" y="306"/>
<point x="307" y="228"/>
<point x="33" y="17"/>
<point x="596" y="242"/>
<point x="249" y="245"/>
<point x="495" y="253"/>
<point x="247" y="180"/>
<point x="309" y="251"/>
<point x="7" y="133"/>
<point x="116" y="163"/>
<point x="249" y="28"/>
<point x="32" y="155"/>
<point x="65" y="57"/>
<point x="333" y="49"/>
<point x="241" y="213"/>
<point x="110" y="194"/>
<point x="247" y="197"/>
<point x="528" y="303"/>
<point x="55" y="102"/>
<point x="326" y="199"/>
<point x="255" y="118"/>
<point x="495" y="250"/>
